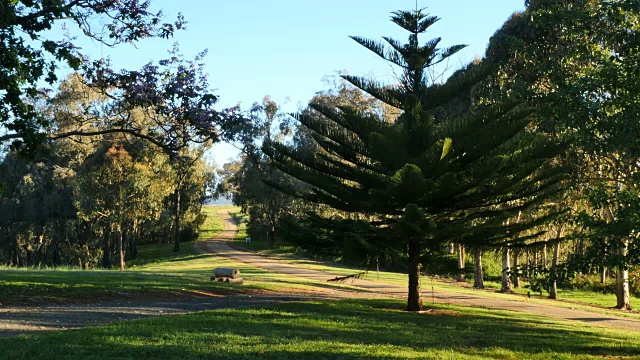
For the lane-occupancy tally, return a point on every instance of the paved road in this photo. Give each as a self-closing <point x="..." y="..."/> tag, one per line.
<point x="221" y="246"/>
<point x="17" y="320"/>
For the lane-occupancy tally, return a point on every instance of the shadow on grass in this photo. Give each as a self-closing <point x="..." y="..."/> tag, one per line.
<point x="329" y="330"/>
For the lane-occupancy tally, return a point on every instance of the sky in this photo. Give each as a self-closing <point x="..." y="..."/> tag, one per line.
<point x="284" y="48"/>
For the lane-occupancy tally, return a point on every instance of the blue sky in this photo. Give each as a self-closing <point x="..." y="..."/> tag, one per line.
<point x="284" y="48"/>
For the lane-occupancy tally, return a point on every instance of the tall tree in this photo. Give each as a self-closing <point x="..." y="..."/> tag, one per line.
<point x="578" y="61"/>
<point x="421" y="180"/>
<point x="246" y="180"/>
<point x="27" y="56"/>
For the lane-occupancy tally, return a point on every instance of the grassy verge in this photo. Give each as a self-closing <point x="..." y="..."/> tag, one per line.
<point x="590" y="301"/>
<point x="332" y="330"/>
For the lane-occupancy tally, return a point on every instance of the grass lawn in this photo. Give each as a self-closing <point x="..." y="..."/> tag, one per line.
<point x="158" y="271"/>
<point x="585" y="300"/>
<point x="332" y="330"/>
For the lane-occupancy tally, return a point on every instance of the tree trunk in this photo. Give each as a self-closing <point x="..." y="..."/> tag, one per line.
<point x="414" y="302"/>
<point x="272" y="236"/>
<point x="544" y="256"/>
<point x="622" y="280"/>
<point x="461" y="274"/>
<point x="106" y="250"/>
<point x="553" y="288"/>
<point x="603" y="275"/>
<point x="478" y="276"/>
<point x="452" y="248"/>
<point x="516" y="268"/>
<point x="176" y="241"/>
<point x="133" y="245"/>
<point x="40" y="246"/>
<point x="506" y="267"/>
<point x="121" y="248"/>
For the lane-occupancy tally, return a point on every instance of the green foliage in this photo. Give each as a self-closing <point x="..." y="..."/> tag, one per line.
<point x="445" y="170"/>
<point x="70" y="204"/>
<point x="246" y="180"/>
<point x="27" y="57"/>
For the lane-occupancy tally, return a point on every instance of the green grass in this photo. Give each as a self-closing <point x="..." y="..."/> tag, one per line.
<point x="158" y="272"/>
<point x="213" y="224"/>
<point x="583" y="300"/>
<point x="576" y="296"/>
<point x="332" y="330"/>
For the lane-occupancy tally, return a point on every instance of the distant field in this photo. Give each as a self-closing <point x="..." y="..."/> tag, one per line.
<point x="213" y="224"/>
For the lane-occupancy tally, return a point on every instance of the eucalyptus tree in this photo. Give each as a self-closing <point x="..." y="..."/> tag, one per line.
<point x="578" y="62"/>
<point x="422" y="180"/>
<point x="245" y="180"/>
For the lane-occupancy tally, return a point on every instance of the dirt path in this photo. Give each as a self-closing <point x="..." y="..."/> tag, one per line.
<point x="221" y="247"/>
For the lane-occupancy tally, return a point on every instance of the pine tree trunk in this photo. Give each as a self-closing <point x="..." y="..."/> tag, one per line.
<point x="478" y="276"/>
<point x="581" y="253"/>
<point x="40" y="247"/>
<point x="414" y="302"/>
<point x="544" y="257"/>
<point x="603" y="275"/>
<point x="176" y="240"/>
<point x="506" y="267"/>
<point x="516" y="268"/>
<point x="461" y="274"/>
<point x="553" y="288"/>
<point x="622" y="280"/>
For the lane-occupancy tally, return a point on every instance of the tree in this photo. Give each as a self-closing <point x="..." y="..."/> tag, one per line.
<point x="579" y="61"/>
<point x="51" y="211"/>
<point x="27" y="56"/>
<point x="111" y="189"/>
<point x="246" y="180"/>
<point x="422" y="180"/>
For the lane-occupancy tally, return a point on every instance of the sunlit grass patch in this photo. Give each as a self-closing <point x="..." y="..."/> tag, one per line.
<point x="333" y="330"/>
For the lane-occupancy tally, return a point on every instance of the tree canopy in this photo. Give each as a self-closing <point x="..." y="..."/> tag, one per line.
<point x="440" y="171"/>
